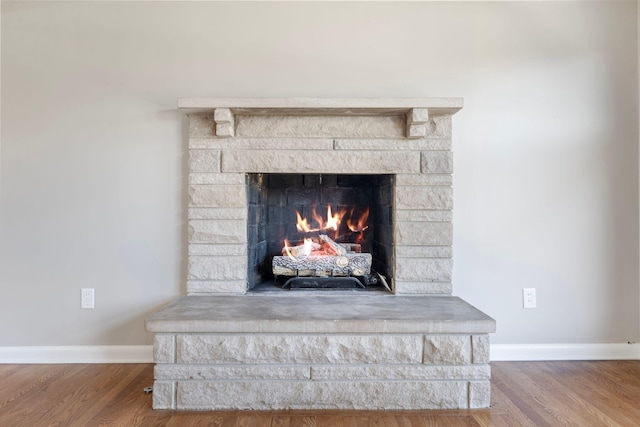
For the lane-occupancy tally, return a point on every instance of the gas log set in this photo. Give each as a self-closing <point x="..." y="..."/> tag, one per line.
<point x="322" y="261"/>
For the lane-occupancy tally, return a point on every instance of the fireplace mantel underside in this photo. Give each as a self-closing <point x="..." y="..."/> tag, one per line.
<point x="415" y="348"/>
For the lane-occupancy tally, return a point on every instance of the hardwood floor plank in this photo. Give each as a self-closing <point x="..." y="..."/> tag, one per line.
<point x="564" y="404"/>
<point x="32" y="404"/>
<point x="622" y="408"/>
<point x="582" y="399"/>
<point x="247" y="420"/>
<point x="518" y="400"/>
<point x="27" y="378"/>
<point x="127" y="392"/>
<point x="607" y="376"/>
<point x="504" y="407"/>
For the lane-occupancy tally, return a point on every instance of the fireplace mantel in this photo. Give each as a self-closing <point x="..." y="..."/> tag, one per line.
<point x="346" y="106"/>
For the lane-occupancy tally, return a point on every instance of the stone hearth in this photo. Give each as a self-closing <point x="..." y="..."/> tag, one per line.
<point x="226" y="346"/>
<point x="347" y="351"/>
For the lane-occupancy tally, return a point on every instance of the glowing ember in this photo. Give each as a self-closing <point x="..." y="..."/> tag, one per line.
<point x="307" y="247"/>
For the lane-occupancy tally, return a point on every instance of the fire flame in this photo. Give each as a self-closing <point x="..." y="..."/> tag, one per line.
<point x="332" y="221"/>
<point x="302" y="225"/>
<point x="361" y="224"/>
<point x="286" y="249"/>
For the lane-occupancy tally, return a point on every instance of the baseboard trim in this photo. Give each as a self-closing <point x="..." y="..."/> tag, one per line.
<point x="534" y="352"/>
<point x="78" y="354"/>
<point x="144" y="353"/>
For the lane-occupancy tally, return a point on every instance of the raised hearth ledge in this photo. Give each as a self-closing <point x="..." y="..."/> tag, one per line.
<point x="340" y="313"/>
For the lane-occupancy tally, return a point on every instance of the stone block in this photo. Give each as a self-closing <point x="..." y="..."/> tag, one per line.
<point x="201" y="125"/>
<point x="439" y="127"/>
<point x="424" y="233"/>
<point x="423" y="215"/>
<point x="437" y="162"/>
<point x="424" y="251"/>
<point x="438" y="143"/>
<point x="216" y="178"/>
<point x="424" y="179"/>
<point x="236" y="372"/>
<point x="424" y="197"/>
<point x="216" y="250"/>
<point x="164" y="348"/>
<point x="223" y="115"/>
<point x="407" y="288"/>
<point x="388" y="144"/>
<point x="217" y="213"/>
<point x="309" y="161"/>
<point x="204" y="161"/>
<point x="418" y="115"/>
<point x="425" y="270"/>
<point x="283" y="143"/>
<point x="240" y="143"/>
<point x="321" y="349"/>
<point x="416" y="131"/>
<point x="164" y="395"/>
<point x="285" y="395"/>
<point x="224" y="130"/>
<point x="205" y="143"/>
<point x="447" y="350"/>
<point x="217" y="268"/>
<point x="222" y="196"/>
<point x="479" y="394"/>
<point x="331" y="126"/>
<point x="480" y="348"/>
<point x="220" y="231"/>
<point x="204" y="287"/>
<point x="401" y="372"/>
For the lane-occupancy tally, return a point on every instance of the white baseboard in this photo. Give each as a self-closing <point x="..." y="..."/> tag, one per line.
<point x="532" y="352"/>
<point x="78" y="354"/>
<point x="144" y="353"/>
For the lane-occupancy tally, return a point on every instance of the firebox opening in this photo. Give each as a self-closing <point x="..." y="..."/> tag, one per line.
<point x="328" y="230"/>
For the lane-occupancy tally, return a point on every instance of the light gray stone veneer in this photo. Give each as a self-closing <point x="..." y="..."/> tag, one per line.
<point x="417" y="348"/>
<point x="217" y="231"/>
<point x="282" y="395"/>
<point x="321" y="126"/>
<point x="313" y="161"/>
<point x="217" y="268"/>
<point x="284" y="349"/>
<point x="412" y="142"/>
<point x="250" y="352"/>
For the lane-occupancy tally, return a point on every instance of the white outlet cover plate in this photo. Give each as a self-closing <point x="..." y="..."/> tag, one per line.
<point x="87" y="298"/>
<point x="529" y="298"/>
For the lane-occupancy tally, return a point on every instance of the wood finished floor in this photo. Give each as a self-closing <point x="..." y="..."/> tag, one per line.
<point x="594" y="393"/>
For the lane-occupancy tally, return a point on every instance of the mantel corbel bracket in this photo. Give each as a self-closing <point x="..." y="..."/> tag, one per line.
<point x="223" y="118"/>
<point x="417" y="119"/>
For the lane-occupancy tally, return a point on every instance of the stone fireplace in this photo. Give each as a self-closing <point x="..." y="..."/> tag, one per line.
<point x="398" y="340"/>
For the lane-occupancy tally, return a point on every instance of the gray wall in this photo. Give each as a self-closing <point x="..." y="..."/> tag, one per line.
<point x="93" y="164"/>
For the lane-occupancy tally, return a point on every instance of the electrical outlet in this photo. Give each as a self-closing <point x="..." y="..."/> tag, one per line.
<point x="87" y="298"/>
<point x="529" y="297"/>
